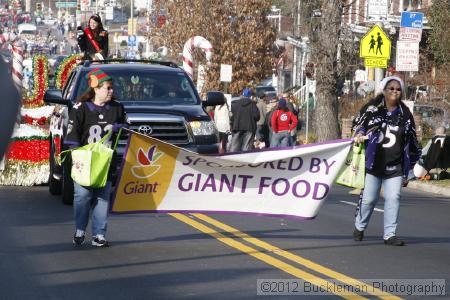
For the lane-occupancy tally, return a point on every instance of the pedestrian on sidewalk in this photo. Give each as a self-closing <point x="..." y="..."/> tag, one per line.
<point x="391" y="151"/>
<point x="283" y="123"/>
<point x="261" y="133"/>
<point x="222" y="120"/>
<point x="244" y="115"/>
<point x="93" y="116"/>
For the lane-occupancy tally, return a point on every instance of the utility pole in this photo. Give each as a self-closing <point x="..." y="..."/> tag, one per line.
<point x="379" y="72"/>
<point x="131" y="16"/>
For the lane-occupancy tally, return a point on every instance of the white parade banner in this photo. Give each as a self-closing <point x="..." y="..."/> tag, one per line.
<point x="283" y="182"/>
<point x="407" y="58"/>
<point x="410" y="34"/>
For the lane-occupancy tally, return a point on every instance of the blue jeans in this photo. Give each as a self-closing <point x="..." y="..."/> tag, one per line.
<point x="98" y="199"/>
<point x="372" y="186"/>
<point x="280" y="139"/>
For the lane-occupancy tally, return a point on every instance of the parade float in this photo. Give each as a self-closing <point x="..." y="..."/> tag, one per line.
<point x="26" y="161"/>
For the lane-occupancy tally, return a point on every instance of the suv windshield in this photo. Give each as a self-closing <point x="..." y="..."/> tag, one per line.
<point x="168" y="88"/>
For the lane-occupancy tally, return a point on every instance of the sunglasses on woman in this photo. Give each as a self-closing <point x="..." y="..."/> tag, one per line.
<point x="109" y="88"/>
<point x="394" y="89"/>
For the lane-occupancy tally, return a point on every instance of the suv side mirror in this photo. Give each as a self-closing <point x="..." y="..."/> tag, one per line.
<point x="214" y="98"/>
<point x="54" y="96"/>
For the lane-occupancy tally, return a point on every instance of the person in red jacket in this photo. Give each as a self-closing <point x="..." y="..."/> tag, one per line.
<point x="283" y="122"/>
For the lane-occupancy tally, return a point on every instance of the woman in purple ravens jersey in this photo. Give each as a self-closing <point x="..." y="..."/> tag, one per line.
<point x="392" y="150"/>
<point x="93" y="116"/>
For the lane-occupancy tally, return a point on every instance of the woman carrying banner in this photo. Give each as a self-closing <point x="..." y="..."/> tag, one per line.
<point x="93" y="40"/>
<point x="387" y="127"/>
<point x="93" y="116"/>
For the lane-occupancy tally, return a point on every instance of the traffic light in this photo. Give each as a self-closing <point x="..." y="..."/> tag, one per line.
<point x="38" y="6"/>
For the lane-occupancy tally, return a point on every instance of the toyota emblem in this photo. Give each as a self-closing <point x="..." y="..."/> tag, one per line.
<point x="145" y="129"/>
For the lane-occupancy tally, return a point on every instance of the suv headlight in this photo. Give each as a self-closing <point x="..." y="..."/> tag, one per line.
<point x="203" y="127"/>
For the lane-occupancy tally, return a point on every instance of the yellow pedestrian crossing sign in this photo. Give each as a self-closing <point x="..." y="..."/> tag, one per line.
<point x="375" y="44"/>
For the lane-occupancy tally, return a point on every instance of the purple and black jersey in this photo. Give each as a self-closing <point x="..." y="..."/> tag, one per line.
<point x="389" y="154"/>
<point x="88" y="122"/>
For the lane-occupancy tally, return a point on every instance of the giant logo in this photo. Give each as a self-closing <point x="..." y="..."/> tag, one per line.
<point x="146" y="162"/>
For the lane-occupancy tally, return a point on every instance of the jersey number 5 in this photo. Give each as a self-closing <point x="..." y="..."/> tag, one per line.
<point x="390" y="136"/>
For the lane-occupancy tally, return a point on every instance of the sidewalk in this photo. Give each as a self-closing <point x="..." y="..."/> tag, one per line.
<point x="429" y="188"/>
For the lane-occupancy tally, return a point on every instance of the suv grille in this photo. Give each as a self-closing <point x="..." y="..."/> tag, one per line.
<point x="168" y="128"/>
<point x="171" y="132"/>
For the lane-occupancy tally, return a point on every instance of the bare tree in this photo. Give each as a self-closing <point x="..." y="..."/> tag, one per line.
<point x="239" y="31"/>
<point x="325" y="34"/>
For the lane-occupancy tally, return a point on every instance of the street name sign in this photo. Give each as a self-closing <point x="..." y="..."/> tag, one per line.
<point x="411" y="19"/>
<point x="410" y="34"/>
<point x="407" y="56"/>
<point x="375" y="62"/>
<point x="65" y="4"/>
<point x="375" y="44"/>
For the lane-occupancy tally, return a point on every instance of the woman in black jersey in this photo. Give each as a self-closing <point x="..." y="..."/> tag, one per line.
<point x="93" y="40"/>
<point x="392" y="150"/>
<point x="93" y="116"/>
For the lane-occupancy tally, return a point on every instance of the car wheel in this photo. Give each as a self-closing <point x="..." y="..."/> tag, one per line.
<point x="67" y="182"/>
<point x="54" y="185"/>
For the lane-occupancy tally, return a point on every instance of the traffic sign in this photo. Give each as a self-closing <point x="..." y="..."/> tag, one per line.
<point x="85" y="4"/>
<point x="226" y="72"/>
<point x="407" y="56"/>
<point x="377" y="9"/>
<point x="411" y="19"/>
<point x="410" y="34"/>
<point x="109" y="13"/>
<point x="375" y="44"/>
<point x="132" y="24"/>
<point x="375" y="62"/>
<point x="131" y="41"/>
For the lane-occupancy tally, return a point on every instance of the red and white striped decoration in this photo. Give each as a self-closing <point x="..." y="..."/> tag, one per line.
<point x="189" y="46"/>
<point x="17" y="50"/>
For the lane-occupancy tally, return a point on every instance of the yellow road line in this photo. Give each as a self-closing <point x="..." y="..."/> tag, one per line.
<point x="295" y="258"/>
<point x="298" y="273"/>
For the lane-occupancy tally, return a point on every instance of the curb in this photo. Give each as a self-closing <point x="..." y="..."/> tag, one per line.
<point x="429" y="188"/>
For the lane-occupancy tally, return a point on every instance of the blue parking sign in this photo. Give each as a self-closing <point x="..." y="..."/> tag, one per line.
<point x="412" y="19"/>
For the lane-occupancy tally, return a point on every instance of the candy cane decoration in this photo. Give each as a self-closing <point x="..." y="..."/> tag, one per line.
<point x="195" y="42"/>
<point x="17" y="50"/>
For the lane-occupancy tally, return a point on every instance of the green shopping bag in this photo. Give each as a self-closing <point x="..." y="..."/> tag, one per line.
<point x="90" y="163"/>
<point x="352" y="174"/>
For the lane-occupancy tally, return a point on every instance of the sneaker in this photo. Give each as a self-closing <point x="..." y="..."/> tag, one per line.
<point x="99" y="241"/>
<point x="358" y="235"/>
<point x="394" y="241"/>
<point x="78" y="237"/>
